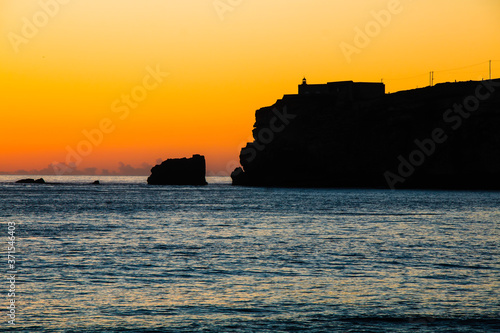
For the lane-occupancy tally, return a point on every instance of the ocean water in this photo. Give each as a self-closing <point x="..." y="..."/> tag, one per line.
<point x="128" y="257"/>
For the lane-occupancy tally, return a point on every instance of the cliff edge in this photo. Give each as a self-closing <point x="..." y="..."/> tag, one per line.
<point x="347" y="134"/>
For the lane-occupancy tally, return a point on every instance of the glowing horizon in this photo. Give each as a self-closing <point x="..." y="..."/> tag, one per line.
<point x="196" y="71"/>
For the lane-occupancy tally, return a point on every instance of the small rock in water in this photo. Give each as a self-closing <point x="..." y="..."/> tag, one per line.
<point x="31" y="181"/>
<point x="179" y="171"/>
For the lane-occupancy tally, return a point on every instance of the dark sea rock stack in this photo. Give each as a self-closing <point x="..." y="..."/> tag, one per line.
<point x="180" y="171"/>
<point x="341" y="135"/>
<point x="31" y="181"/>
<point x="96" y="183"/>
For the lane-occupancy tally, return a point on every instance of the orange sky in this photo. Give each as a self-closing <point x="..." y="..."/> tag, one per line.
<point x="67" y="66"/>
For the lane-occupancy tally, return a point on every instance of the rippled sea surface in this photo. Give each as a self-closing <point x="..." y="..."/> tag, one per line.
<point x="128" y="257"/>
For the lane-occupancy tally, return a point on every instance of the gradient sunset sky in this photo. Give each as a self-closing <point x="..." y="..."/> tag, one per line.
<point x="200" y="68"/>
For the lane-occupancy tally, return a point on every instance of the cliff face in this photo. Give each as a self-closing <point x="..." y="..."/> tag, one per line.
<point x="180" y="171"/>
<point x="446" y="136"/>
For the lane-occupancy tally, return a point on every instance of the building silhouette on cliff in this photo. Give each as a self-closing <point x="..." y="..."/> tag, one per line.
<point x="347" y="89"/>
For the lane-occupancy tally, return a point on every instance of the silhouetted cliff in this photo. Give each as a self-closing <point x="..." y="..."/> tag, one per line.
<point x="180" y="171"/>
<point x="446" y="136"/>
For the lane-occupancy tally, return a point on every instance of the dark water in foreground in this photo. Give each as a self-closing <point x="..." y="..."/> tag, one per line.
<point x="127" y="257"/>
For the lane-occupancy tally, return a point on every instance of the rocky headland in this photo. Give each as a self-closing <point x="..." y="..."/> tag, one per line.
<point x="346" y="134"/>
